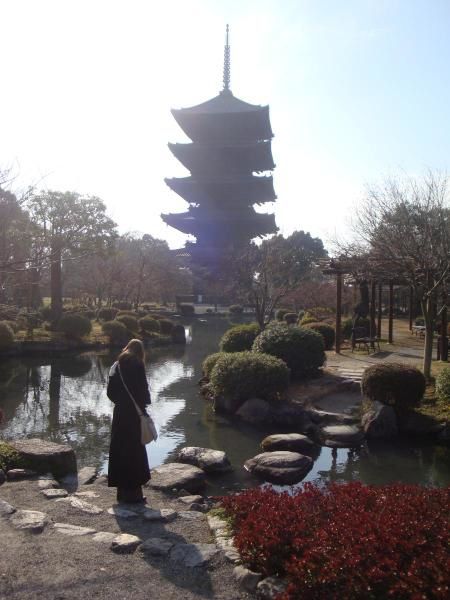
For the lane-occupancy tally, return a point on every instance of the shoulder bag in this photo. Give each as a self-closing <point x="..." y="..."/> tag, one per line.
<point x="148" y="429"/>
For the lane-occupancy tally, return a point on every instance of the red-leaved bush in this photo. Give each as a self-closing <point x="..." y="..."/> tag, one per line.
<point x="347" y="541"/>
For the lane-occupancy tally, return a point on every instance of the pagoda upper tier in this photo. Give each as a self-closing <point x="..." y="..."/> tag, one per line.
<point x="225" y="119"/>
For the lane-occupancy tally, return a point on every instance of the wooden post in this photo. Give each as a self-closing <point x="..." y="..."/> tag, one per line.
<point x="410" y="307"/>
<point x="391" y="312"/>
<point x="338" y="311"/>
<point x="373" y="290"/>
<point x="444" y="325"/>
<point x="380" y="298"/>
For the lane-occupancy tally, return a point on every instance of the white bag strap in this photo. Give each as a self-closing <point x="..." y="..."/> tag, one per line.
<point x="139" y="411"/>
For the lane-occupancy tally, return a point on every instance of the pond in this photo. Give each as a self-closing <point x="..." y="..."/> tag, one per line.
<point x="63" y="399"/>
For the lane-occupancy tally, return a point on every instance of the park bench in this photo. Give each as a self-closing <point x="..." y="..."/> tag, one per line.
<point x="362" y="337"/>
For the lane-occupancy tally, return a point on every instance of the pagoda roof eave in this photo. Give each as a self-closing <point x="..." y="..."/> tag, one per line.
<point x="223" y="103"/>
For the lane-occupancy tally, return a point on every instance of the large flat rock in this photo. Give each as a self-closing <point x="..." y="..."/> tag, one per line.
<point x="211" y="461"/>
<point x="193" y="555"/>
<point x="46" y="457"/>
<point x="294" y="442"/>
<point x="282" y="467"/>
<point x="177" y="476"/>
<point x="342" y="436"/>
<point x="30" y="520"/>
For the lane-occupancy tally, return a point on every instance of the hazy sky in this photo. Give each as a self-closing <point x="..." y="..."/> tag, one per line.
<point x="358" y="89"/>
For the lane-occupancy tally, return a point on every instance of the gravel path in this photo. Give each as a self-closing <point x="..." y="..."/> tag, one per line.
<point x="52" y="565"/>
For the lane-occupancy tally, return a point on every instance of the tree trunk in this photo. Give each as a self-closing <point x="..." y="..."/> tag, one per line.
<point x="56" y="280"/>
<point x="427" y="309"/>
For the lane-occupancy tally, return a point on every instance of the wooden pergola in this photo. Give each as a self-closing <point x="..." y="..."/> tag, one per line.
<point x="360" y="270"/>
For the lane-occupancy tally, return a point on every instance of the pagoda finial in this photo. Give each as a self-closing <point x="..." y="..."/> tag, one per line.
<point x="226" y="63"/>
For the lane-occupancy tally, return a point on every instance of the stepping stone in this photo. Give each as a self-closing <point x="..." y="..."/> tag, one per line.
<point x="211" y="461"/>
<point x="121" y="513"/>
<point x="15" y="474"/>
<point x="82" y="505"/>
<point x="191" y="516"/>
<point x="296" y="442"/>
<point x="73" y="530"/>
<point x="104" y="537"/>
<point x="86" y="494"/>
<point x="6" y="509"/>
<point x="87" y="475"/>
<point x="46" y="457"/>
<point x="177" y="476"/>
<point x="281" y="467"/>
<point x="156" y="546"/>
<point x="232" y="555"/>
<point x="125" y="543"/>
<point x="55" y="493"/>
<point x="247" y="580"/>
<point x="165" y="515"/>
<point x="31" y="520"/>
<point x="190" y="499"/>
<point x="215" y="523"/>
<point x="47" y="482"/>
<point x="342" y="436"/>
<point x="193" y="555"/>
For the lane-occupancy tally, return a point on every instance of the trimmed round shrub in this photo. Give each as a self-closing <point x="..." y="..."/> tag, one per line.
<point x="148" y="324"/>
<point x="306" y="319"/>
<point x="75" y="325"/>
<point x="116" y="331"/>
<point x="236" y="309"/>
<point x="347" y="326"/>
<point x="166" y="326"/>
<point x="209" y="363"/>
<point x="6" y="336"/>
<point x="443" y="385"/>
<point x="326" y="331"/>
<point x="107" y="313"/>
<point x="393" y="384"/>
<point x="290" y="318"/>
<point x="244" y="375"/>
<point x="130" y="322"/>
<point x="239" y="338"/>
<point x="301" y="349"/>
<point x="187" y="310"/>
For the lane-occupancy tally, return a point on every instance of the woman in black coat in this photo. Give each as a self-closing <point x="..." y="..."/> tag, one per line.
<point x="128" y="467"/>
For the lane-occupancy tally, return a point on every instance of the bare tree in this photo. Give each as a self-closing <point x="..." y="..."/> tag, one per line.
<point x="404" y="229"/>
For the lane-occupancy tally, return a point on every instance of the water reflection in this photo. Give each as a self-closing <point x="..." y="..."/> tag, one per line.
<point x="63" y="399"/>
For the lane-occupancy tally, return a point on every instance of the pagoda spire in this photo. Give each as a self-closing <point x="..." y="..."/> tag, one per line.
<point x="226" y="63"/>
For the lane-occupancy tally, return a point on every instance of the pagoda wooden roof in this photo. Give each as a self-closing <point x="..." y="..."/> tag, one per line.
<point x="224" y="103"/>
<point x="249" y="190"/>
<point x="219" y="158"/>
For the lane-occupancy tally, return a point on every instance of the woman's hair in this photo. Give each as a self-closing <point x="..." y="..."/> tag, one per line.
<point x="134" y="348"/>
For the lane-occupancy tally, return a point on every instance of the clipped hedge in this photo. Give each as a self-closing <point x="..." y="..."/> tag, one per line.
<point x="443" y="385"/>
<point x="244" y="375"/>
<point x="107" y="313"/>
<point x="236" y="309"/>
<point x="326" y="331"/>
<point x="306" y="319"/>
<point x="209" y="363"/>
<point x="393" y="384"/>
<point x="301" y="349"/>
<point x="130" y="321"/>
<point x="148" y="324"/>
<point x="239" y="338"/>
<point x="6" y="336"/>
<point x="75" y="325"/>
<point x="116" y="331"/>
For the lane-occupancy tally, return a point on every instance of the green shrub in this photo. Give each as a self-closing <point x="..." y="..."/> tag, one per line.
<point x="10" y="458"/>
<point x="8" y="312"/>
<point x="443" y="385"/>
<point x="46" y="312"/>
<point x="301" y="349"/>
<point x="116" y="331"/>
<point x="244" y="375"/>
<point x="397" y="385"/>
<point x="89" y="313"/>
<point x="236" y="309"/>
<point x="15" y="326"/>
<point x="347" y="326"/>
<point x="107" y="314"/>
<point x="306" y="319"/>
<point x="148" y="324"/>
<point x="187" y="310"/>
<point x="209" y="363"/>
<point x="280" y="313"/>
<point x="290" y="318"/>
<point x="166" y="326"/>
<point x="239" y="338"/>
<point x="6" y="336"/>
<point x="75" y="325"/>
<point x="130" y="321"/>
<point x="326" y="331"/>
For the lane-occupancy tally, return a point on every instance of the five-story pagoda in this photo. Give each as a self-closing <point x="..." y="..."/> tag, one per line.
<point x="227" y="159"/>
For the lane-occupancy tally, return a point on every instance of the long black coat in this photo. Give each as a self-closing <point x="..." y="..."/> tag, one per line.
<point x="128" y="463"/>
